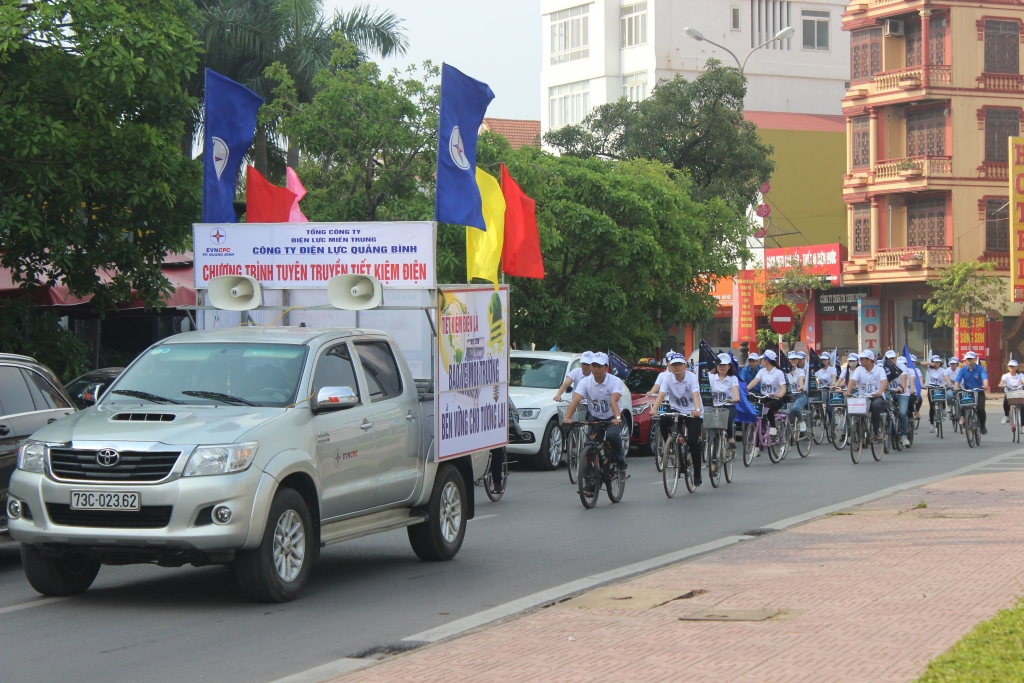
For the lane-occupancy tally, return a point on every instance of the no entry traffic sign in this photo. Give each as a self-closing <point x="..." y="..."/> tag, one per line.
<point x="781" y="319"/>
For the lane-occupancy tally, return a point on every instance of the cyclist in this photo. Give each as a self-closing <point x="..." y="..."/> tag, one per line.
<point x="773" y="384"/>
<point x="725" y="390"/>
<point x="937" y="376"/>
<point x="953" y="370"/>
<point x="683" y="391"/>
<point x="826" y="377"/>
<point x="798" y="383"/>
<point x="749" y="371"/>
<point x="602" y="390"/>
<point x="871" y="382"/>
<point x="918" y="398"/>
<point x="1011" y="381"/>
<point x="573" y="377"/>
<point x="973" y="377"/>
<point x="843" y="378"/>
<point x="904" y="397"/>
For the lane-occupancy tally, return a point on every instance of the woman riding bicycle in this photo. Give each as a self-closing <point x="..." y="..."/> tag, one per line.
<point x="683" y="391"/>
<point x="1011" y="381"/>
<point x="871" y="382"/>
<point x="773" y="385"/>
<point x="725" y="390"/>
<point x="843" y="378"/>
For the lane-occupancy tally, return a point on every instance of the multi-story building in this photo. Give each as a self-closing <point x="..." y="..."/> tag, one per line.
<point x="936" y="89"/>
<point x="596" y="52"/>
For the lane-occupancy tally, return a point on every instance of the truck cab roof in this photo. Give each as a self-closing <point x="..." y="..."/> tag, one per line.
<point x="268" y="335"/>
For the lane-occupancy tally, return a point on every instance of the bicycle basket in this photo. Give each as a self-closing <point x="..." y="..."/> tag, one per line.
<point x="816" y="397"/>
<point x="1015" y="398"/>
<point x="758" y="408"/>
<point x="579" y="416"/>
<point x="967" y="398"/>
<point x="837" y="399"/>
<point x="938" y="395"/>
<point x="716" y="418"/>
<point x="856" y="405"/>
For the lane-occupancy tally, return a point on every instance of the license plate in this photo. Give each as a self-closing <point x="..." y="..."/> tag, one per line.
<point x="105" y="500"/>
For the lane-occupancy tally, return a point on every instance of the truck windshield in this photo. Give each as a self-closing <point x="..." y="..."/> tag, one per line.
<point x="213" y="374"/>
<point x="537" y="373"/>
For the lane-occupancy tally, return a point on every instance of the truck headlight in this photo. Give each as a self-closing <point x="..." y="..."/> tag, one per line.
<point x="32" y="456"/>
<point x="528" y="413"/>
<point x="639" y="410"/>
<point x="226" y="459"/>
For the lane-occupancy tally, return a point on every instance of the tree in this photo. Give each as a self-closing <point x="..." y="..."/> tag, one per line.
<point x="92" y="108"/>
<point x="963" y="288"/>
<point x="370" y="140"/>
<point x="791" y="285"/>
<point x="37" y="333"/>
<point x="694" y="126"/>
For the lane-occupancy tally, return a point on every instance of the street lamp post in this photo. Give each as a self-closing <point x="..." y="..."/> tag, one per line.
<point x="697" y="35"/>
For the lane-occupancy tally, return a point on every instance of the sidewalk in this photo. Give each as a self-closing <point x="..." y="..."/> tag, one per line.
<point x="871" y="594"/>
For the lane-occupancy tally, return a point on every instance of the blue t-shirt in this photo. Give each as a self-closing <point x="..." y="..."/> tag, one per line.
<point x="971" y="380"/>
<point x="747" y="374"/>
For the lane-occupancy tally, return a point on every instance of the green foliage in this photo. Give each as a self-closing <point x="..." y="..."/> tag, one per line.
<point x="696" y="126"/>
<point x="37" y="333"/>
<point x="964" y="289"/>
<point x="92" y="110"/>
<point x="370" y="141"/>
<point x="991" y="653"/>
<point x="791" y="285"/>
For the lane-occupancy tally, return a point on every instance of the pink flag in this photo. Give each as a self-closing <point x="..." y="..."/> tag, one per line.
<point x="295" y="185"/>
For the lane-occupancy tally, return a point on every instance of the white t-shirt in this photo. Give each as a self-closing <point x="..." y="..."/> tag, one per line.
<point x="869" y="382"/>
<point x="906" y="382"/>
<point x="1013" y="382"/>
<point x="576" y="376"/>
<point x="847" y="373"/>
<point x="680" y="394"/>
<point x="721" y="389"/>
<point x="794" y="377"/>
<point x="826" y="377"/>
<point x="599" y="396"/>
<point x="771" y="381"/>
<point x="937" y="375"/>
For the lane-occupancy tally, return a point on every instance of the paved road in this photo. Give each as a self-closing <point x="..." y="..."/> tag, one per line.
<point x="191" y="624"/>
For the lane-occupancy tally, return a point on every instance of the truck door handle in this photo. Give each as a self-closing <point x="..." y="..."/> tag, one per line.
<point x="409" y="416"/>
<point x="366" y="424"/>
<point x="4" y="430"/>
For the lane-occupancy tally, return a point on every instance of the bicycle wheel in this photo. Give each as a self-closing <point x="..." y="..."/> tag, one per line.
<point x="686" y="467"/>
<point x="818" y="424"/>
<point x="940" y="416"/>
<point x="1015" y="423"/>
<point x="856" y="438"/>
<point x="727" y="461"/>
<point x="803" y="441"/>
<point x="670" y="468"/>
<point x="659" y="450"/>
<point x="895" y="441"/>
<point x="969" y="427"/>
<point x="590" y="476"/>
<point x="616" y="485"/>
<point x="911" y="428"/>
<point x="751" y="437"/>
<point x="887" y="432"/>
<point x="954" y="416"/>
<point x="572" y="458"/>
<point x="777" y="451"/>
<point x="840" y="433"/>
<point x="495" y="492"/>
<point x="714" y="452"/>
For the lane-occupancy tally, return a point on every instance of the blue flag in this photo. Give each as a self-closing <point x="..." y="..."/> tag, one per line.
<point x="910" y="364"/>
<point x="618" y="366"/>
<point x="744" y="411"/>
<point x="463" y="103"/>
<point x="230" y="123"/>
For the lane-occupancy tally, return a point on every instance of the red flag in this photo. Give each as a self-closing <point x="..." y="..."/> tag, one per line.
<point x="264" y="201"/>
<point x="520" y="255"/>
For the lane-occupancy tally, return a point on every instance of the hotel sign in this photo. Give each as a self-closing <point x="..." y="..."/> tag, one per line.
<point x="1017" y="219"/>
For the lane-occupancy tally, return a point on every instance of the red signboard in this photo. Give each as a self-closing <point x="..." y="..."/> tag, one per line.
<point x="744" y="308"/>
<point x="969" y="335"/>
<point x="781" y="319"/>
<point x="817" y="259"/>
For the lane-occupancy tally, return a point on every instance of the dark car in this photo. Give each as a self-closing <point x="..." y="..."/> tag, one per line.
<point x="31" y="397"/>
<point x="85" y="389"/>
<point x="639" y="382"/>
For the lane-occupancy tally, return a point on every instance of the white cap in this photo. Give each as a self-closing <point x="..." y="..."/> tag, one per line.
<point x="890" y="354"/>
<point x="792" y="355"/>
<point x="599" y="358"/>
<point x="753" y="356"/>
<point x="900" y="360"/>
<point x="770" y="355"/>
<point x="936" y="359"/>
<point x="801" y="355"/>
<point x="1012" y="363"/>
<point x="953" y="360"/>
<point x="852" y="357"/>
<point x="674" y="357"/>
<point x="970" y="354"/>
<point x="913" y="358"/>
<point x="588" y="357"/>
<point x="724" y="359"/>
<point x="825" y="355"/>
<point x="867" y="354"/>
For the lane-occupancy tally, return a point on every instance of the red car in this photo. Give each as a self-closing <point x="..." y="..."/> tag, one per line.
<point x="640" y="381"/>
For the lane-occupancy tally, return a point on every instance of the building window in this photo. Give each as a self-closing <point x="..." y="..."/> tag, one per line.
<point x="936" y="42"/>
<point x="634" y="86"/>
<point x="735" y="13"/>
<point x="1002" y="42"/>
<point x="767" y="18"/>
<point x="997" y="225"/>
<point x="926" y="223"/>
<point x="633" y="24"/>
<point x="570" y="103"/>
<point x="861" y="229"/>
<point x="815" y="29"/>
<point x="999" y="125"/>
<point x="866" y="57"/>
<point x="570" y="34"/>
<point x="861" y="142"/>
<point x="926" y="133"/>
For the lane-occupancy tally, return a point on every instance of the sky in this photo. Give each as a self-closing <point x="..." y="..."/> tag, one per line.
<point x="495" y="41"/>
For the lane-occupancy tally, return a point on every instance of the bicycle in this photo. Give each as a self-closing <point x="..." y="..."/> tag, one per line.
<point x="938" y="399"/>
<point x="858" y="422"/>
<point x="955" y="415"/>
<point x="819" y="417"/>
<point x="487" y="481"/>
<point x="837" y="425"/>
<point x="718" y="452"/>
<point x="597" y="466"/>
<point x="757" y="434"/>
<point x="676" y="460"/>
<point x="968" y="400"/>
<point x="1016" y="401"/>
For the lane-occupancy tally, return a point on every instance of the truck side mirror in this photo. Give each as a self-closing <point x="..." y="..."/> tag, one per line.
<point x="336" y="398"/>
<point x="91" y="394"/>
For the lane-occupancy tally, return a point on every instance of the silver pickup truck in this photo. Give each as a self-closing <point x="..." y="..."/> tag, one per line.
<point x="251" y="446"/>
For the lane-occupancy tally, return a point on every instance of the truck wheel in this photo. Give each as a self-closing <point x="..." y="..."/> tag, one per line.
<point x="440" y="537"/>
<point x="279" y="567"/>
<point x="549" y="457"/>
<point x="69" y="574"/>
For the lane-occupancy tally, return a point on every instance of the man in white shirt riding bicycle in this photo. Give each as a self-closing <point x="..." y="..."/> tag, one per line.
<point x="573" y="377"/>
<point x="602" y="390"/>
<point x="870" y="381"/>
<point x="683" y="392"/>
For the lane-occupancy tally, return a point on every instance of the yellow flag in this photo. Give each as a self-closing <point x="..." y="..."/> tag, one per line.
<point x="483" y="249"/>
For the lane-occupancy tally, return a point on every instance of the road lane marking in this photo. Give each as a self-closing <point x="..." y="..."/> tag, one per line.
<point x="482" y="517"/>
<point x="30" y="605"/>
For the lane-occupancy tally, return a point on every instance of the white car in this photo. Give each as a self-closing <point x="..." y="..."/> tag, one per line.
<point x="534" y="376"/>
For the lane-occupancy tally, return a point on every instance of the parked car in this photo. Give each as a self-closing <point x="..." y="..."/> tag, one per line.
<point x="640" y="381"/>
<point x="253" y="447"/>
<point x="86" y="389"/>
<point x="30" y="398"/>
<point x="534" y="376"/>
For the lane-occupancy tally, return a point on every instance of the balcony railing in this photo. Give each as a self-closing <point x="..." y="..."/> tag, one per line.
<point x="995" y="170"/>
<point x="1004" y="82"/>
<point x="913" y="257"/>
<point x="922" y="167"/>
<point x="912" y="77"/>
<point x="1000" y="259"/>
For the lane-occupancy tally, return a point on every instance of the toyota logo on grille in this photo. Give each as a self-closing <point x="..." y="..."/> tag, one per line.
<point x="107" y="457"/>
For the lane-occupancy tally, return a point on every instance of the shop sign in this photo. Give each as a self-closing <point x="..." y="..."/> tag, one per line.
<point x="817" y="259"/>
<point x="968" y="334"/>
<point x="869" y="324"/>
<point x="744" y="319"/>
<point x="1017" y="219"/>
<point x="840" y="300"/>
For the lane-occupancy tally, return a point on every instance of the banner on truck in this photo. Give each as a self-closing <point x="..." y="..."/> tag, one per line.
<point x="307" y="255"/>
<point x="472" y="370"/>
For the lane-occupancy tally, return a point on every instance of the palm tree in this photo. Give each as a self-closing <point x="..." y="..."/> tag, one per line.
<point x="244" y="37"/>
